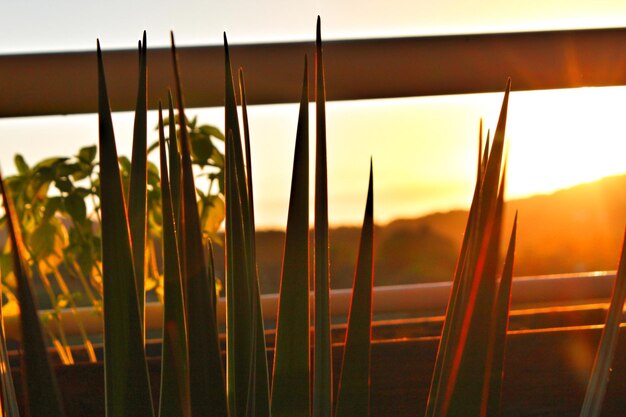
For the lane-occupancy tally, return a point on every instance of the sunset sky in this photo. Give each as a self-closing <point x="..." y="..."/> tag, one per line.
<point x="424" y="149"/>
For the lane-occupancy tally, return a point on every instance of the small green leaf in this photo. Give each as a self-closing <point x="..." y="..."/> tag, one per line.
<point x="53" y="205"/>
<point x="213" y="214"/>
<point x="208" y="130"/>
<point x="65" y="170"/>
<point x="21" y="165"/>
<point x="64" y="185"/>
<point x="49" y="163"/>
<point x="48" y="241"/>
<point x="87" y="154"/>
<point x="84" y="171"/>
<point x="201" y="150"/>
<point x="75" y="206"/>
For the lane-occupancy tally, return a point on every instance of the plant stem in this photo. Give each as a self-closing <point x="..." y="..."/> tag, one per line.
<point x="81" y="328"/>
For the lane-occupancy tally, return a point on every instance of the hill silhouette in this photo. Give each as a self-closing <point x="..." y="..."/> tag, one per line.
<point x="577" y="229"/>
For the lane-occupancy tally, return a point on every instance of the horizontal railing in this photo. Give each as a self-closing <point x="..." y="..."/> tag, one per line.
<point x="416" y="300"/>
<point x="65" y="83"/>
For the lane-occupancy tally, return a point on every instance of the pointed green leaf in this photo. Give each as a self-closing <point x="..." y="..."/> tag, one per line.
<point x="88" y="154"/>
<point x="323" y="370"/>
<point x="469" y="377"/>
<point x="455" y="304"/>
<point x="75" y="206"/>
<point x="137" y="194"/>
<point x="238" y="297"/>
<point x="40" y="385"/>
<point x="486" y="151"/>
<point x="206" y="376"/>
<point x="247" y="369"/>
<point x="260" y="395"/>
<point x="126" y="372"/>
<point x="246" y="137"/>
<point x="353" y="397"/>
<point x="291" y="377"/>
<point x="489" y="189"/>
<point x="174" y="398"/>
<point x="211" y="259"/>
<point x="174" y="169"/>
<point x="478" y="246"/>
<point x="21" y="165"/>
<point x="601" y="371"/>
<point x="500" y="327"/>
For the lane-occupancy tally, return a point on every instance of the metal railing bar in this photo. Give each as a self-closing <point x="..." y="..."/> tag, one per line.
<point x="65" y="83"/>
<point x="428" y="299"/>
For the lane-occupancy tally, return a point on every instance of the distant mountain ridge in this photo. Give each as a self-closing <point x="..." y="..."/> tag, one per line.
<point x="571" y="230"/>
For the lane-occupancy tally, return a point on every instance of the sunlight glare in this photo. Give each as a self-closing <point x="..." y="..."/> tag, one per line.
<point x="566" y="137"/>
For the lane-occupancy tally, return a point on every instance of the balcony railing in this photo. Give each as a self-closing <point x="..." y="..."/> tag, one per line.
<point x="65" y="83"/>
<point x="416" y="300"/>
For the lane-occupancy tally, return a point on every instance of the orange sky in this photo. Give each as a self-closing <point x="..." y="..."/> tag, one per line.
<point x="424" y="149"/>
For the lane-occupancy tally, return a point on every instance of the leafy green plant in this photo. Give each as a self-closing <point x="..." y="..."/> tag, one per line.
<point x="58" y="206"/>
<point x="39" y="379"/>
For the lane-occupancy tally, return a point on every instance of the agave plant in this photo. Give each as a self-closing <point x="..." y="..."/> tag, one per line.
<point x="475" y="325"/>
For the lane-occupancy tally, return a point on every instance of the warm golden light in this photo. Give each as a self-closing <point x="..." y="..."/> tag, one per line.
<point x="424" y="149"/>
<point x="559" y="139"/>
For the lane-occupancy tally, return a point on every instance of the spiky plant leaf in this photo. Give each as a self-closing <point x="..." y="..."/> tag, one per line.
<point x="238" y="297"/>
<point x="353" y="397"/>
<point x="211" y="259"/>
<point x="469" y="373"/>
<point x="486" y="151"/>
<point x="246" y="139"/>
<point x="601" y="371"/>
<point x="126" y="372"/>
<point x="455" y="303"/>
<point x="137" y="190"/>
<point x="499" y="329"/>
<point x="467" y="278"/>
<point x="206" y="376"/>
<point x="259" y="402"/>
<point x="207" y="390"/>
<point x="291" y="377"/>
<point x="174" y="398"/>
<point x="8" y="400"/>
<point x="323" y="363"/>
<point x="40" y="385"/>
<point x="174" y="169"/>
<point x="248" y="373"/>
